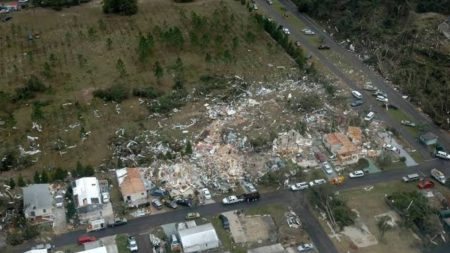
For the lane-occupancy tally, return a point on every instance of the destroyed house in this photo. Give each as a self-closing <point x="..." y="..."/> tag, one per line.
<point x="37" y="203"/>
<point x="132" y="186"/>
<point x="339" y="144"/>
<point x="355" y="135"/>
<point x="86" y="194"/>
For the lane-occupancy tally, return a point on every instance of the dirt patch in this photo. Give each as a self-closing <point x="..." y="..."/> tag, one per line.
<point x="251" y="229"/>
<point x="360" y="236"/>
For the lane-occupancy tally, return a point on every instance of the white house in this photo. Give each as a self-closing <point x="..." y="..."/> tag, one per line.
<point x="37" y="203"/>
<point x="86" y="192"/>
<point x="132" y="186"/>
<point x="198" y="238"/>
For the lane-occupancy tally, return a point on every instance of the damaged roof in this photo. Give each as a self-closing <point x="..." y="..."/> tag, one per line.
<point x="130" y="181"/>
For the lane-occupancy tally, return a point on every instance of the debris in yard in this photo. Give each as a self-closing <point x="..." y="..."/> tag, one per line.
<point x="368" y="188"/>
<point x="28" y="153"/>
<point x="292" y="219"/>
<point x="36" y="127"/>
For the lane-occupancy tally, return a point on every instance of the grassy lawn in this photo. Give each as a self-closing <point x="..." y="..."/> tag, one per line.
<point x="398" y="239"/>
<point x="71" y="248"/>
<point x="122" y="242"/>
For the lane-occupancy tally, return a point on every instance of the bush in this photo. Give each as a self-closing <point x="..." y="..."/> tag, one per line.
<point x="147" y="92"/>
<point x="32" y="86"/>
<point x="122" y="7"/>
<point x="116" y="93"/>
<point x="168" y="102"/>
<point x="58" y="4"/>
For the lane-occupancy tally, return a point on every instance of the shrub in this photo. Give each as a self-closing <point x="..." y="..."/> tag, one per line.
<point x="146" y="92"/>
<point x="122" y="7"/>
<point x="116" y="93"/>
<point x="32" y="86"/>
<point x="168" y="102"/>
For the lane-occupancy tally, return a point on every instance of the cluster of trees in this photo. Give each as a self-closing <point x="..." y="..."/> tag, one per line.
<point x="116" y="93"/>
<point x="400" y="44"/>
<point x="58" y="4"/>
<point x="278" y="35"/>
<point x="339" y="214"/>
<point x="29" y="90"/>
<point x="306" y="102"/>
<point x="122" y="7"/>
<point x="415" y="211"/>
<point x="46" y="176"/>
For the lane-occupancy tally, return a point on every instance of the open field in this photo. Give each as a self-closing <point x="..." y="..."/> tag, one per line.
<point x="79" y="49"/>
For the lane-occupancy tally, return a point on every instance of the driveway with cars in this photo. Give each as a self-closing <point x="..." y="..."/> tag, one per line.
<point x="409" y="162"/>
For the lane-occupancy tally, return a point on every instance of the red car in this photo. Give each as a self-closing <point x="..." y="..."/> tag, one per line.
<point x="425" y="184"/>
<point x="86" y="238"/>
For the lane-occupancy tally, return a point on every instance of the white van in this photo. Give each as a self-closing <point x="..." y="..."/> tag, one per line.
<point x="357" y="94"/>
<point x="411" y="177"/>
<point x="382" y="99"/>
<point x="443" y="155"/>
<point x="369" y="116"/>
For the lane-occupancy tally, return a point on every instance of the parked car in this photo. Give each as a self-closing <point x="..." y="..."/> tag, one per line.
<point x="105" y="197"/>
<point x="192" y="216"/>
<point x="46" y="246"/>
<point x="269" y="2"/>
<point x="357" y="103"/>
<point x="118" y="222"/>
<point x="225" y="221"/>
<point x="308" y="31"/>
<point x="157" y="192"/>
<point x="86" y="238"/>
<point x="233" y="199"/>
<point x="132" y="244"/>
<point x="382" y="99"/>
<point x="305" y="247"/>
<point x="369" y="116"/>
<point x="356" y="173"/>
<point x="323" y="47"/>
<point x="171" y="203"/>
<point x="390" y="147"/>
<point x="206" y="193"/>
<point x="327" y="168"/>
<point x="184" y="202"/>
<point x="317" y="182"/>
<point x="286" y="31"/>
<point x="411" y="177"/>
<point x="299" y="186"/>
<point x="425" y="183"/>
<point x="157" y="204"/>
<point x="298" y="44"/>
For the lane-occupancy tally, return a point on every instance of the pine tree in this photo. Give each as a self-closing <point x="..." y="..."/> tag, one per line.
<point x="44" y="177"/>
<point x="20" y="181"/>
<point x="12" y="184"/>
<point x="37" y="177"/>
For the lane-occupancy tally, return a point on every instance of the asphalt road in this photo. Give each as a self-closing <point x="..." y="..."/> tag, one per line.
<point x="297" y="200"/>
<point x="370" y="101"/>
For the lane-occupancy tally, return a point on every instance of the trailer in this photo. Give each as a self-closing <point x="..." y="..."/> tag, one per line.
<point x="95" y="225"/>
<point x="439" y="176"/>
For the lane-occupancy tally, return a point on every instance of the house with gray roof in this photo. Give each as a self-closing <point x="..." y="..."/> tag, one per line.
<point x="198" y="238"/>
<point x="38" y="203"/>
